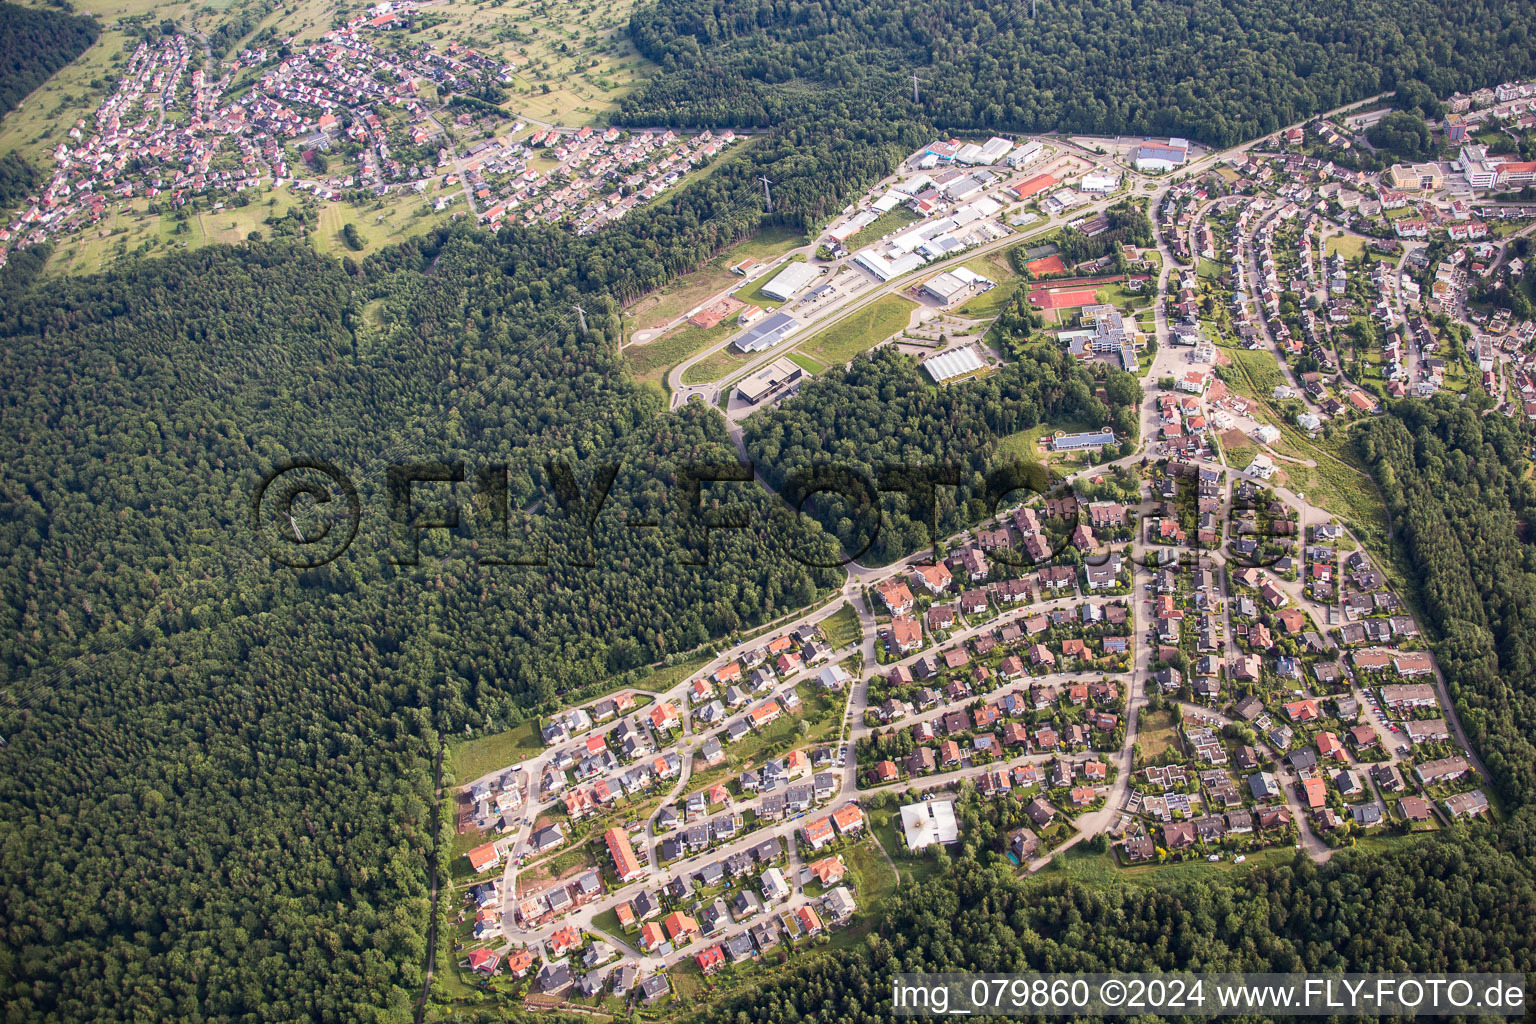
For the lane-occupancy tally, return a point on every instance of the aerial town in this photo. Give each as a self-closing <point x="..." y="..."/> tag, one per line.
<point x="1182" y="651"/>
<point x="346" y="120"/>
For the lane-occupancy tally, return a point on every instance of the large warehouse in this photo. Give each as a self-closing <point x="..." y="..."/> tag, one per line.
<point x="768" y="333"/>
<point x="957" y="362"/>
<point x="790" y="280"/>
<point x="777" y="375"/>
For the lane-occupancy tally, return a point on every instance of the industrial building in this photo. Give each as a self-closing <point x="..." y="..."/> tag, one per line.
<point x="768" y="333"/>
<point x="951" y="365"/>
<point x="770" y="380"/>
<point x="1161" y="156"/>
<point x="1025" y="155"/>
<point x="1090" y="440"/>
<point x="790" y="280"/>
<point x="954" y="284"/>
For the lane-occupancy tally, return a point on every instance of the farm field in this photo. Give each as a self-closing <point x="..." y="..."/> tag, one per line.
<point x="859" y="331"/>
<point x="689" y="291"/>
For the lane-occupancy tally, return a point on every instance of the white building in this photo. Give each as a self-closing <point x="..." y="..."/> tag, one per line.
<point x="956" y="363"/>
<point x="1100" y="183"/>
<point x="1025" y="154"/>
<point x="929" y="822"/>
<point x="790" y="280"/>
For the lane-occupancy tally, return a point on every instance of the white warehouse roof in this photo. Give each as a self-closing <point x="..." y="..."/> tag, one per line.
<point x="790" y="280"/>
<point x="956" y="362"/>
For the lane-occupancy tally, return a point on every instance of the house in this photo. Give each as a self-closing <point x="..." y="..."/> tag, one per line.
<point x="817" y="833"/>
<point x="905" y="633"/>
<point x="710" y="960"/>
<point x="680" y="928"/>
<point x="929" y="822"/>
<point x="838" y="906"/>
<point x="1466" y="805"/>
<point x="651" y="936"/>
<point x="849" y="819"/>
<point x="1414" y="808"/>
<point x="1178" y="835"/>
<point x="934" y="578"/>
<point x="1040" y="811"/>
<point x="484" y="961"/>
<point x="1444" y="769"/>
<point x="828" y="870"/>
<point x="483" y="858"/>
<point x="895" y="596"/>
<point x="654" y="987"/>
<point x="1139" y="849"/>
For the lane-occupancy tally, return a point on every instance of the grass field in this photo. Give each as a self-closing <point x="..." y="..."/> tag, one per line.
<point x="806" y="363"/>
<point x="44" y="118"/>
<point x="574" y="61"/>
<point x="665" y="678"/>
<point x="994" y="266"/>
<point x="689" y="291"/>
<point x="474" y="757"/>
<point x="652" y="360"/>
<point x="842" y="627"/>
<point x="883" y="225"/>
<point x="1085" y="866"/>
<point x="715" y="366"/>
<point x="858" y="331"/>
<point x="1023" y="445"/>
<point x="1338" y="482"/>
<point x="1156" y="734"/>
<point x="885" y="822"/>
<point x="1351" y="246"/>
<point x="129" y="228"/>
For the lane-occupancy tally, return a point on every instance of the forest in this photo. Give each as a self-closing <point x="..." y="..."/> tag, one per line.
<point x="1459" y="904"/>
<point x="34" y="43"/>
<point x="217" y="771"/>
<point x="1454" y="483"/>
<point x="881" y="412"/>
<point x="216" y="781"/>
<point x="1216" y="72"/>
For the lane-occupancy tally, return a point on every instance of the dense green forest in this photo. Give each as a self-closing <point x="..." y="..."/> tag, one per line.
<point x="881" y="412"/>
<point x="17" y="178"/>
<point x="1459" y="905"/>
<point x="216" y="777"/>
<point x="34" y="43"/>
<point x="1218" y="72"/>
<point x="216" y="770"/>
<point x="1456" y="483"/>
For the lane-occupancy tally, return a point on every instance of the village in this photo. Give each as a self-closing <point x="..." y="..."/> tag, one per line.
<point x="348" y="120"/>
<point x="1182" y="654"/>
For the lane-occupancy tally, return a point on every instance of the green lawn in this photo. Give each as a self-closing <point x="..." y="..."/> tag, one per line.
<point x="876" y="879"/>
<point x="1100" y="868"/>
<point x="472" y="758"/>
<point x="607" y="922"/>
<point x="665" y="678"/>
<point x="1338" y="483"/>
<point x="1350" y="245"/>
<point x="1022" y="445"/>
<point x="883" y="225"/>
<point x="1156" y="734"/>
<point x="652" y="360"/>
<point x="842" y="628"/>
<point x="860" y="330"/>
<point x="914" y="869"/>
<point x="715" y="366"/>
<point x="806" y="363"/>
